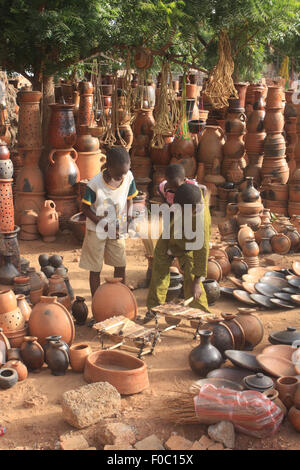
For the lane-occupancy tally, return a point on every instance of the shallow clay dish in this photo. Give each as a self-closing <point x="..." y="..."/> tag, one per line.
<point x="217" y="382"/>
<point x="291" y="290"/>
<point x="295" y="298"/>
<point x="230" y="373"/>
<point x="275" y="281"/>
<point x="296" y="267"/>
<point x="276" y="366"/>
<point x="125" y="372"/>
<point x="227" y="291"/>
<point x="275" y="274"/>
<point x="243" y="296"/>
<point x="287" y="336"/>
<point x="262" y="300"/>
<point x="248" y="278"/>
<point x="249" y="287"/>
<point x="266" y="289"/>
<point x="282" y="303"/>
<point x="259" y="272"/>
<point x="295" y="282"/>
<point x="243" y="359"/>
<point x="279" y="350"/>
<point x="235" y="281"/>
<point x="283" y="296"/>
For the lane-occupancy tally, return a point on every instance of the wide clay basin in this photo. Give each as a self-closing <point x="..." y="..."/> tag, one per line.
<point x="127" y="373"/>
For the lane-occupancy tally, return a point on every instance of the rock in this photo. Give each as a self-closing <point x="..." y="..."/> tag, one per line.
<point x="178" y="443"/>
<point x="150" y="443"/>
<point x="205" y="442"/>
<point x="119" y="447"/>
<point x="89" y="404"/>
<point x="216" y="446"/>
<point x="222" y="432"/>
<point x="196" y="446"/>
<point x="116" y="433"/>
<point x="73" y="442"/>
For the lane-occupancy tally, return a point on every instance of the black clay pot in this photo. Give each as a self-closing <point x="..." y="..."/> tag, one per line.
<point x="32" y="353"/>
<point x="43" y="260"/>
<point x="175" y="278"/>
<point x="212" y="290"/>
<point x="233" y="250"/>
<point x="55" y="261"/>
<point x="80" y="310"/>
<point x="8" y="271"/>
<point x="57" y="358"/>
<point x="8" y="378"/>
<point x="205" y="357"/>
<point x="48" y="271"/>
<point x="51" y="339"/>
<point x="174" y="292"/>
<point x="250" y="194"/>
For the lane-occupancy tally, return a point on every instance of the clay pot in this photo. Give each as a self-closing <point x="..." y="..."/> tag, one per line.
<point x="294" y="417"/>
<point x="141" y="167"/>
<point x="63" y="173"/>
<point x="287" y="387"/>
<point x="235" y="173"/>
<point x="258" y="382"/>
<point x="212" y="290"/>
<point x="228" y="229"/>
<point x="63" y="299"/>
<point x="294" y="192"/>
<point x="113" y="298"/>
<point x="78" y="356"/>
<point x="57" y="284"/>
<point x="265" y="247"/>
<point x="235" y="124"/>
<point x="49" y="318"/>
<point x="281" y="244"/>
<point x="252" y="326"/>
<point x="205" y="357"/>
<point x="8" y="301"/>
<point x="277" y="167"/>
<point x="8" y="271"/>
<point x="236" y="329"/>
<point x="294" y="236"/>
<point x="297" y="396"/>
<point x="27" y="201"/>
<point x="189" y="164"/>
<point x="233" y="250"/>
<point x="90" y="163"/>
<point x="250" y="194"/>
<point x="224" y="263"/>
<point x="29" y="123"/>
<point x="293" y="208"/>
<point x="239" y="267"/>
<point x="143" y="59"/>
<point x="35" y="295"/>
<point x="19" y="367"/>
<point x="272" y="395"/>
<point x="4" y="152"/>
<point x="53" y="339"/>
<point x="85" y="142"/>
<point x="22" y="285"/>
<point x="80" y="310"/>
<point x="144" y="123"/>
<point x="222" y="337"/>
<point x="255" y="122"/>
<point x="57" y="358"/>
<point x="32" y="353"/>
<point x="250" y="248"/>
<point x="66" y="207"/>
<point x="214" y="270"/>
<point x="234" y="146"/>
<point x="23" y="306"/>
<point x="274" y="120"/>
<point x="274" y="145"/>
<point x="48" y="221"/>
<point x="245" y="232"/>
<point x="265" y="231"/>
<point x="162" y="156"/>
<point x="6" y="169"/>
<point x="30" y="178"/>
<point x="6" y="206"/>
<point x="249" y="208"/>
<point x="62" y="132"/>
<point x="274" y="97"/>
<point x="290" y="109"/>
<point x="211" y="144"/>
<point x="254" y="143"/>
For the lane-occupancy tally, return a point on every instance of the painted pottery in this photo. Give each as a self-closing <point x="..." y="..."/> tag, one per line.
<point x="57" y="358"/>
<point x="212" y="290"/>
<point x="205" y="357"/>
<point x="287" y="387"/>
<point x="80" y="310"/>
<point x="78" y="356"/>
<point x="63" y="173"/>
<point x="62" y="132"/>
<point x="6" y="206"/>
<point x="113" y="298"/>
<point x="32" y="353"/>
<point x="239" y="267"/>
<point x="29" y="122"/>
<point x="48" y="318"/>
<point x="23" y="306"/>
<point x="19" y="367"/>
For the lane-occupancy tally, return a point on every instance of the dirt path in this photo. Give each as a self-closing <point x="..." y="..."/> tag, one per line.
<point x="31" y="410"/>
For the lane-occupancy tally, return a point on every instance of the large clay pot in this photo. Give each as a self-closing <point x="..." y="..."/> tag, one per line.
<point x="250" y="248"/>
<point x="274" y="97"/>
<point x="205" y="357"/>
<point x="57" y="358"/>
<point x="236" y="329"/>
<point x="80" y="310"/>
<point x="62" y="173"/>
<point x="274" y="120"/>
<point x="234" y="146"/>
<point x="57" y="284"/>
<point x="212" y="290"/>
<point x="250" y="194"/>
<point x="235" y="124"/>
<point x="252" y="326"/>
<point x="23" y="306"/>
<point x="239" y="267"/>
<point x="85" y="112"/>
<point x="211" y="144"/>
<point x="281" y="244"/>
<point x="90" y="163"/>
<point x="113" y="298"/>
<point x="85" y="142"/>
<point x="161" y="156"/>
<point x="47" y="223"/>
<point x="8" y="301"/>
<point x="287" y="387"/>
<point x="294" y="417"/>
<point x="276" y="167"/>
<point x="143" y="123"/>
<point x="233" y="250"/>
<point x="234" y="173"/>
<point x="245" y="232"/>
<point x="29" y="124"/>
<point x="293" y="235"/>
<point x="19" y="367"/>
<point x="30" y="178"/>
<point x="274" y="144"/>
<point x="78" y="356"/>
<point x="222" y="338"/>
<point x="6" y="206"/>
<point x="62" y="132"/>
<point x="214" y="270"/>
<point x="256" y="118"/>
<point x="254" y="167"/>
<point x="49" y="318"/>
<point x="265" y="231"/>
<point x="32" y="353"/>
<point x="254" y="143"/>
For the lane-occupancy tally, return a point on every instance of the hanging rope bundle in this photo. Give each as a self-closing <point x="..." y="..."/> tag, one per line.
<point x="113" y="133"/>
<point x="167" y="116"/>
<point x="183" y="132"/>
<point x="220" y="85"/>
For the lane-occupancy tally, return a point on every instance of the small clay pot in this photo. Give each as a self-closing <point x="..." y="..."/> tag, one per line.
<point x="294" y="417"/>
<point x="239" y="267"/>
<point x="265" y="247"/>
<point x="57" y="358"/>
<point x="281" y="244"/>
<point x="287" y="387"/>
<point x="78" y="356"/>
<point x="23" y="306"/>
<point x="244" y="233"/>
<point x="212" y="290"/>
<point x="19" y="367"/>
<point x="8" y="301"/>
<point x="32" y="353"/>
<point x="250" y="248"/>
<point x="250" y="194"/>
<point x="272" y="395"/>
<point x="205" y="357"/>
<point x="80" y="310"/>
<point x="233" y="250"/>
<point x="214" y="270"/>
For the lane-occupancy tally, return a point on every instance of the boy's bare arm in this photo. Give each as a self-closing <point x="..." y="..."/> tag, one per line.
<point x="90" y="214"/>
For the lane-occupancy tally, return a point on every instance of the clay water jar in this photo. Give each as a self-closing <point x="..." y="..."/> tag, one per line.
<point x="62" y="131"/>
<point x="78" y="356"/>
<point x="244" y="233"/>
<point x="294" y="417"/>
<point x="80" y="310"/>
<point x="62" y="173"/>
<point x="90" y="163"/>
<point x="281" y="244"/>
<point x="250" y="248"/>
<point x="265" y="231"/>
<point x="8" y="301"/>
<point x="113" y="298"/>
<point x="239" y="267"/>
<point x="211" y="144"/>
<point x="250" y="193"/>
<point x="274" y="120"/>
<point x="32" y="353"/>
<point x="205" y="357"/>
<point x="287" y="387"/>
<point x="252" y="326"/>
<point x="47" y="222"/>
<point x="212" y="290"/>
<point x="214" y="269"/>
<point x="265" y="247"/>
<point x="234" y="146"/>
<point x="143" y="123"/>
<point x="277" y="167"/>
<point x="19" y="367"/>
<point x="274" y="144"/>
<point x="57" y="358"/>
<point x="127" y="373"/>
<point x="254" y="143"/>
<point x="24" y="306"/>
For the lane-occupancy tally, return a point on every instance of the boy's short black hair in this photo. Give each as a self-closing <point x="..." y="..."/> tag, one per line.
<point x="116" y="156"/>
<point x="187" y="194"/>
<point x="175" y="171"/>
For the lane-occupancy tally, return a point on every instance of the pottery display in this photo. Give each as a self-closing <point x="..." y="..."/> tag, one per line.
<point x="47" y="222"/>
<point x="62" y="173"/>
<point x="205" y="357"/>
<point x="48" y="318"/>
<point x="113" y="298"/>
<point x="78" y="356"/>
<point x="62" y="132"/>
<point x="57" y="358"/>
<point x="287" y="387"/>
<point x="32" y="353"/>
<point x="258" y="382"/>
<point x="19" y="367"/>
<point x="55" y="338"/>
<point x="127" y="373"/>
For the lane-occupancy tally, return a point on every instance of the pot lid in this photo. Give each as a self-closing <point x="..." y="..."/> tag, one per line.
<point x="259" y="381"/>
<point x="287" y="336"/>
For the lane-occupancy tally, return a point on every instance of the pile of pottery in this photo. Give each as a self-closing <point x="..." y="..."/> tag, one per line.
<point x="249" y="205"/>
<point x="7" y="223"/>
<point x="58" y="284"/>
<point x="274" y="163"/>
<point x="275" y="195"/>
<point x="254" y="139"/>
<point x="290" y="117"/>
<point x="62" y="174"/>
<point x="250" y="98"/>
<point x="218" y="265"/>
<point x="294" y="182"/>
<point x="30" y="188"/>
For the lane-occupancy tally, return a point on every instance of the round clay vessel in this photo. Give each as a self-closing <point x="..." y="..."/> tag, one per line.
<point x="57" y="284"/>
<point x="80" y="310"/>
<point x="266" y="230"/>
<point x="126" y="373"/>
<point x="239" y="267"/>
<point x="32" y="353"/>
<point x="78" y="356"/>
<point x="8" y="301"/>
<point x="62" y="298"/>
<point x="62" y="132"/>
<point x="222" y="336"/>
<point x="274" y="120"/>
<point x="57" y="358"/>
<point x="281" y="244"/>
<point x="214" y="270"/>
<point x="49" y="318"/>
<point x="244" y="233"/>
<point x="236" y="329"/>
<point x="19" y="367"/>
<point x="250" y="247"/>
<point x="212" y="290"/>
<point x="272" y="395"/>
<point x="252" y="326"/>
<point x="205" y="357"/>
<point x="258" y="382"/>
<point x="250" y="194"/>
<point x="294" y="417"/>
<point x="287" y="387"/>
<point x="47" y="222"/>
<point x="233" y="250"/>
<point x="211" y="144"/>
<point x="113" y="298"/>
<point x="62" y="173"/>
<point x="23" y="306"/>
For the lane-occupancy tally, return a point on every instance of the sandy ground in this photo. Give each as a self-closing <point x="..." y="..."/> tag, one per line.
<point x="31" y="409"/>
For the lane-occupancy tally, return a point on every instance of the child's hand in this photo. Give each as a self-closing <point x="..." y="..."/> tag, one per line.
<point x="197" y="290"/>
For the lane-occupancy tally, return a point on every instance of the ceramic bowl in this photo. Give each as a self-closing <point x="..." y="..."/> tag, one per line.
<point x="262" y="300"/>
<point x="228" y="291"/>
<point x="243" y="296"/>
<point x="249" y="287"/>
<point x="279" y="350"/>
<point x="274" y="281"/>
<point x="283" y="296"/>
<point x="296" y="267"/>
<point x="291" y="290"/>
<point x="295" y="282"/>
<point x="282" y="303"/>
<point x="266" y="289"/>
<point x="276" y="366"/>
<point x="235" y="281"/>
<point x="243" y="359"/>
<point x="275" y="274"/>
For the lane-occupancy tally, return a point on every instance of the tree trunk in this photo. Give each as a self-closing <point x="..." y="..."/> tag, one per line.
<point x="48" y="97"/>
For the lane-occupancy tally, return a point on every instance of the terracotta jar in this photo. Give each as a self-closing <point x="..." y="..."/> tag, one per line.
<point x="277" y="167"/>
<point x="256" y="118"/>
<point x="49" y="318"/>
<point x="274" y="120"/>
<point x="62" y="173"/>
<point x="113" y="298"/>
<point x="250" y="247"/>
<point x="266" y="217"/>
<point x="22" y="285"/>
<point x="161" y="156"/>
<point x="214" y="270"/>
<point x="78" y="356"/>
<point x="212" y="290"/>
<point x="34" y="279"/>
<point x="90" y="163"/>
<point x="239" y="267"/>
<point x="63" y="299"/>
<point x="8" y="301"/>
<point x="274" y="97"/>
<point x="66" y="207"/>
<point x="57" y="358"/>
<point x="272" y="395"/>
<point x="85" y="142"/>
<point x="293" y="235"/>
<point x="53" y="339"/>
<point x="224" y="263"/>
<point x="250" y="194"/>
<point x="7" y="223"/>
<point x="265" y="247"/>
<point x="294" y="417"/>
<point x="252" y="326"/>
<point x="4" y="152"/>
<point x="274" y="145"/>
<point x="254" y="168"/>
<point x="48" y="221"/>
<point x="211" y="144"/>
<point x="236" y="329"/>
<point x="57" y="284"/>
<point x="234" y="146"/>
<point x="290" y="110"/>
<point x="24" y="306"/>
<point x="29" y="123"/>
<point x="235" y="124"/>
<point x="287" y="387"/>
<point x="19" y="367"/>
<point x="32" y="353"/>
<point x="205" y="357"/>
<point x="62" y="132"/>
<point x="30" y="178"/>
<point x="275" y="192"/>
<point x="281" y="244"/>
<point x="143" y="123"/>
<point x="141" y="167"/>
<point x="244" y="233"/>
